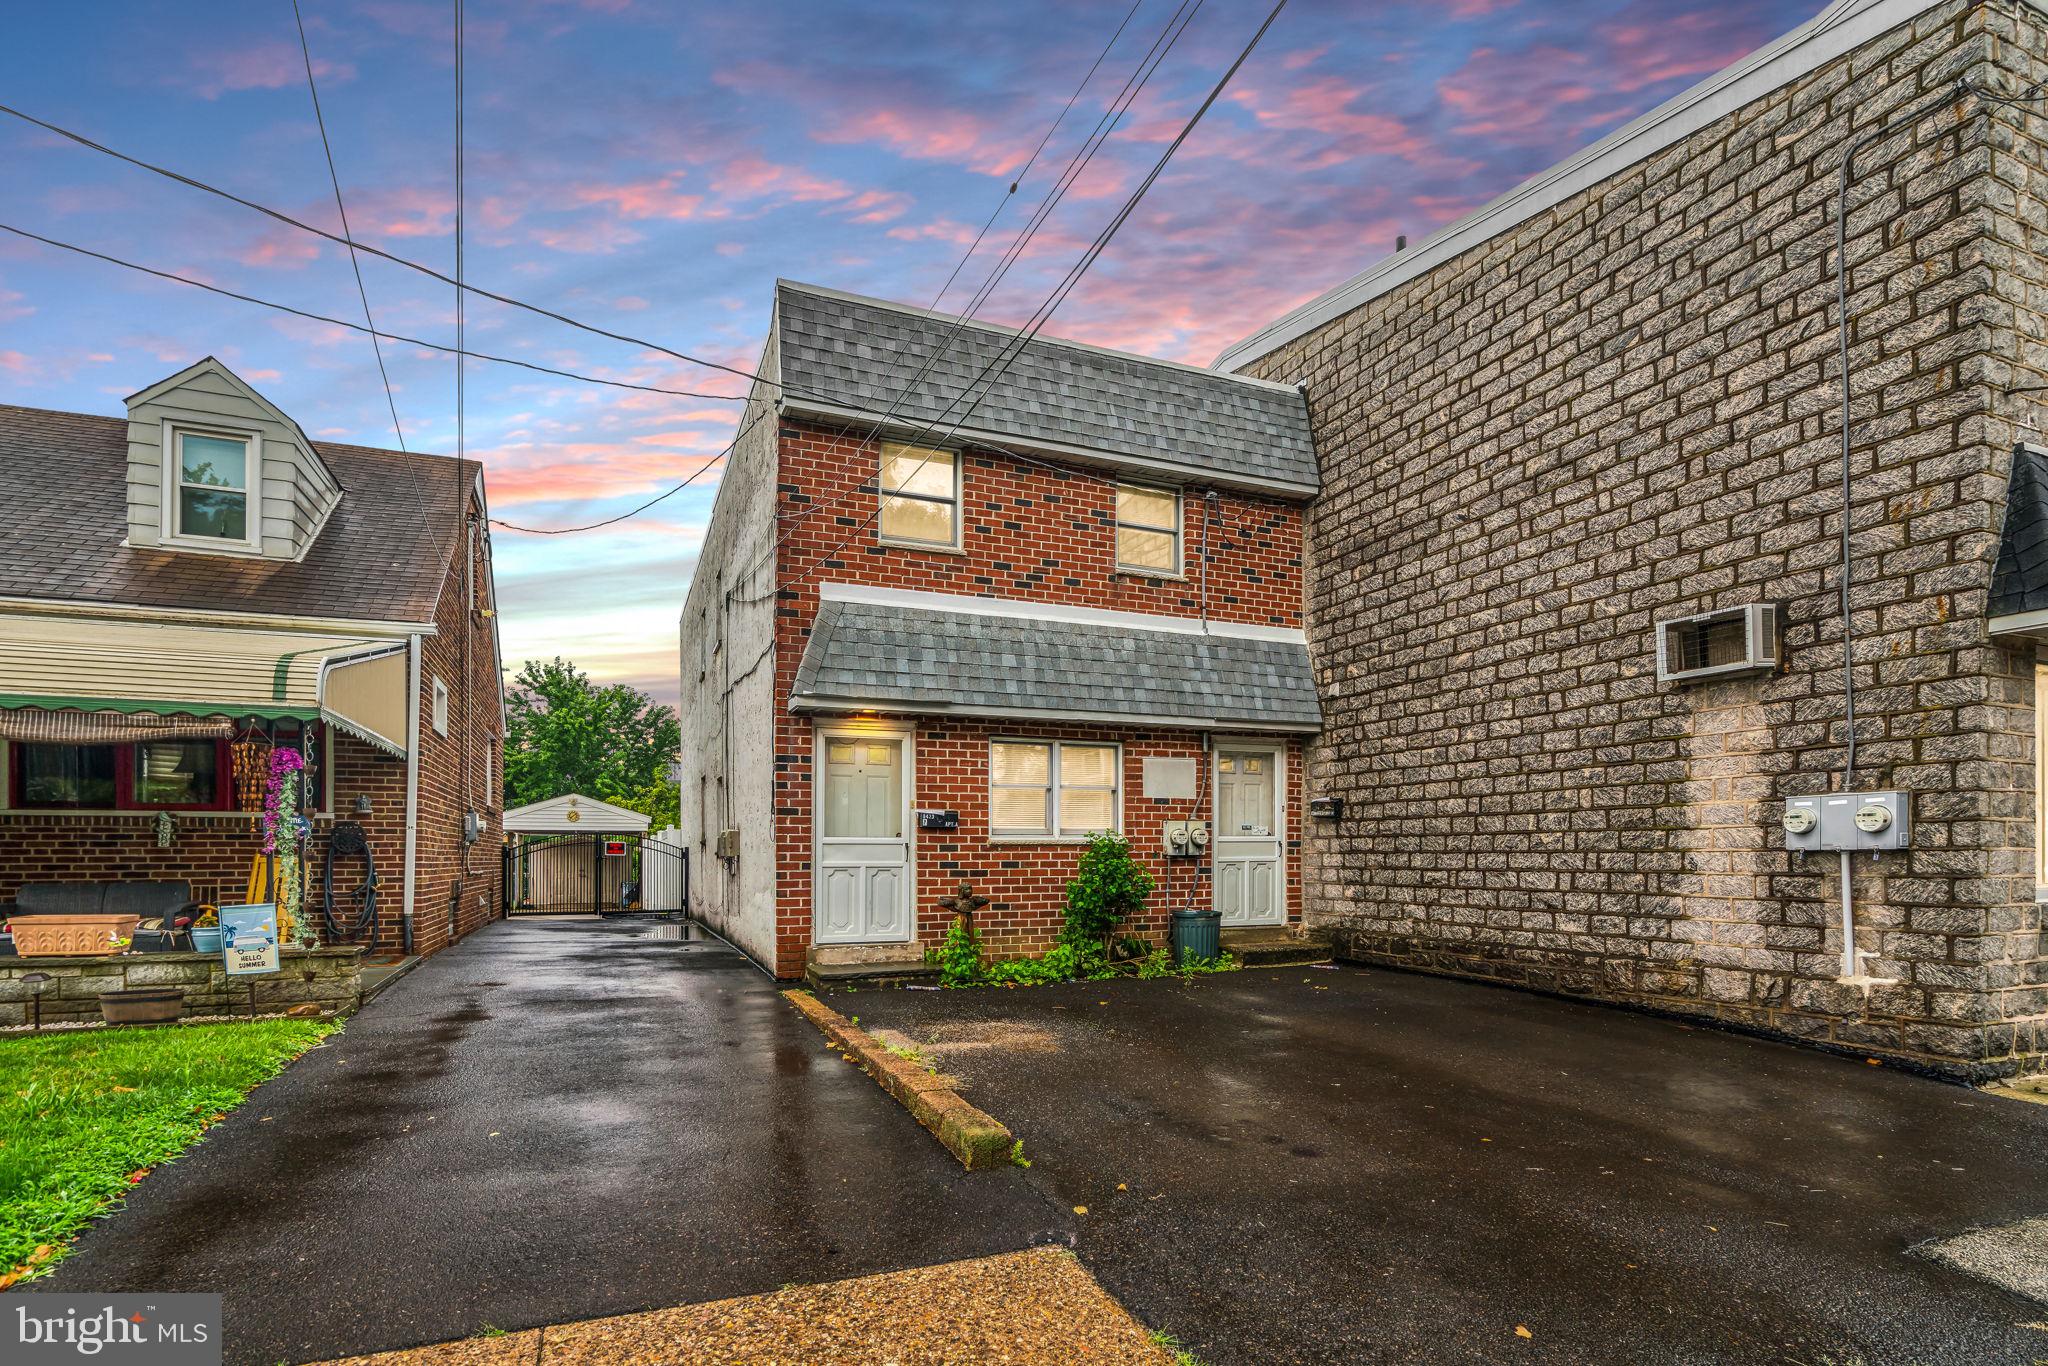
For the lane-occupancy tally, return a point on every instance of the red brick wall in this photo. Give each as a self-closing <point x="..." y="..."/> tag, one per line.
<point x="450" y="874"/>
<point x="1028" y="533"/>
<point x="214" y="853"/>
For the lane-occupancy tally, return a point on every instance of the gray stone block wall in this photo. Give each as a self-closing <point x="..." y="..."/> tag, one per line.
<point x="1626" y="409"/>
<point x="329" y="978"/>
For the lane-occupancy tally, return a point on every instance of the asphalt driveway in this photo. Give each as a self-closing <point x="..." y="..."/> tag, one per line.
<point x="1348" y="1165"/>
<point x="552" y="1120"/>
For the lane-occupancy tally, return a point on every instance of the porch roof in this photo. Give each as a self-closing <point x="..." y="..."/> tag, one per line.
<point x="895" y="657"/>
<point x="60" y="663"/>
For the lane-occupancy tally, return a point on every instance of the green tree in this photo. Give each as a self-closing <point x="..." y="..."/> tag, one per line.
<point x="609" y="741"/>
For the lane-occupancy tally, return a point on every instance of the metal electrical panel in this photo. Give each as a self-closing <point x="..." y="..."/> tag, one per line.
<point x="1855" y="821"/>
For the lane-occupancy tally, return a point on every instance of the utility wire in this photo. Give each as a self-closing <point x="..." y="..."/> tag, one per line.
<point x="1073" y="276"/>
<point x="356" y="327"/>
<point x="419" y="501"/>
<point x="334" y="178"/>
<point x="426" y="270"/>
<point x="1134" y="84"/>
<point x="1032" y="160"/>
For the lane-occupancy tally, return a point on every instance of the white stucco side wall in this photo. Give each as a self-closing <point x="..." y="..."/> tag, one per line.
<point x="726" y="640"/>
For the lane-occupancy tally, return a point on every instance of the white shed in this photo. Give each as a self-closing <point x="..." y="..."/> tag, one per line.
<point x="570" y="853"/>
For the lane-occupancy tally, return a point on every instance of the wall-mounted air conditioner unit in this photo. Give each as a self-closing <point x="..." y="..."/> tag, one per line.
<point x="1714" y="645"/>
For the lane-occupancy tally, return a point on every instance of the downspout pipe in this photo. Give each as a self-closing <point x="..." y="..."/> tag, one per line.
<point x="412" y="786"/>
<point x="1851" y="966"/>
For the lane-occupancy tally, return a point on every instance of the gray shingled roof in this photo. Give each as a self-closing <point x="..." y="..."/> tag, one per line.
<point x="63" y="533"/>
<point x="864" y="353"/>
<point x="2020" y="582"/>
<point x="972" y="664"/>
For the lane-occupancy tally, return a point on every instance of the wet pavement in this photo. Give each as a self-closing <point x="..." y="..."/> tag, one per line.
<point x="1294" y="1165"/>
<point x="553" y="1120"/>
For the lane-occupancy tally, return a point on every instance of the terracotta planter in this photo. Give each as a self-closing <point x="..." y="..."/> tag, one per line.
<point x="70" y="936"/>
<point x="143" y="1005"/>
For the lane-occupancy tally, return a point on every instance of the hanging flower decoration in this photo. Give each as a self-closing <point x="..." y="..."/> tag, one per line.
<point x="281" y="834"/>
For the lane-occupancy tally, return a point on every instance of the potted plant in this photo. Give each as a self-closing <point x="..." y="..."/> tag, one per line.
<point x="142" y="1005"/>
<point x="206" y="931"/>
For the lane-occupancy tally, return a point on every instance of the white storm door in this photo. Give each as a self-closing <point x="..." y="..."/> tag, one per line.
<point x="1245" y="845"/>
<point x="863" y="894"/>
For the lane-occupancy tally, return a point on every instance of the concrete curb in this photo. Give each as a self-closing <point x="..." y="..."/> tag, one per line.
<point x="978" y="1139"/>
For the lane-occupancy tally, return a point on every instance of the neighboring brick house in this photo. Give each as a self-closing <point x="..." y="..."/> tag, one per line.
<point x="1080" y="610"/>
<point x="1612" y="398"/>
<point x="187" y="586"/>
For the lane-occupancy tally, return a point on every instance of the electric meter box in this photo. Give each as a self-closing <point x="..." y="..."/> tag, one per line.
<point x="1185" y="839"/>
<point x="1855" y="821"/>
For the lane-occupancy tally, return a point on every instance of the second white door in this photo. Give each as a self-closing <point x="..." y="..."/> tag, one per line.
<point x="863" y="891"/>
<point x="1246" y="844"/>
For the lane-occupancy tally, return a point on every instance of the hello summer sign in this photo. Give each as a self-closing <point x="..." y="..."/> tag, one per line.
<point x="248" y="939"/>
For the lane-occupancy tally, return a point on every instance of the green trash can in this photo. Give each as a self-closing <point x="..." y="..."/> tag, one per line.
<point x="1196" y="934"/>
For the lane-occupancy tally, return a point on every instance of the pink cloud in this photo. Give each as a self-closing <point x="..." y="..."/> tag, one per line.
<point x="258" y="66"/>
<point x="656" y="198"/>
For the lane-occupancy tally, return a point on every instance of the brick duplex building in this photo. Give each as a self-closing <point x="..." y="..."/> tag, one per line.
<point x="1612" y="399"/>
<point x="188" y="586"/>
<point x="921" y="647"/>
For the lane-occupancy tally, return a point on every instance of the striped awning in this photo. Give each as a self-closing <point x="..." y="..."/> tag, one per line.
<point x="83" y="665"/>
<point x="68" y="726"/>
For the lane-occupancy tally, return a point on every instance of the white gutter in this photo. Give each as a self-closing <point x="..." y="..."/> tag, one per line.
<point x="412" y="778"/>
<point x="64" y="607"/>
<point x="921" y="600"/>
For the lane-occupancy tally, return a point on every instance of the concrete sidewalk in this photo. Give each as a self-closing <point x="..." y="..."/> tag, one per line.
<point x="1347" y="1165"/>
<point x="549" y="1121"/>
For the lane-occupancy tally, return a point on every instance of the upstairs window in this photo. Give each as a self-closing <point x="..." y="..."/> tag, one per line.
<point x="1147" y="530"/>
<point x="440" y="714"/>
<point x="210" y="499"/>
<point x="920" y="492"/>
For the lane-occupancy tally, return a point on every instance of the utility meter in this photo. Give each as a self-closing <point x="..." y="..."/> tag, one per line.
<point x="1853" y="822"/>
<point x="1185" y="839"/>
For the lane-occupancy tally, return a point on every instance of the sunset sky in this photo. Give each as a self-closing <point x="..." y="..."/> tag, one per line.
<point x="652" y="168"/>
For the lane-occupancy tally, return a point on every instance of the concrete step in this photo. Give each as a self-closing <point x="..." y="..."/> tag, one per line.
<point x="902" y="967"/>
<point x="1274" y="948"/>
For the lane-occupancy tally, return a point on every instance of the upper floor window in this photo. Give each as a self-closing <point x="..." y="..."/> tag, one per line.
<point x="1147" y="529"/>
<point x="920" y="492"/>
<point x="212" y="476"/>
<point x="440" y="713"/>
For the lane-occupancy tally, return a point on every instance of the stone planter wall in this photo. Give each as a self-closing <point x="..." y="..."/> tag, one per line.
<point x="328" y="978"/>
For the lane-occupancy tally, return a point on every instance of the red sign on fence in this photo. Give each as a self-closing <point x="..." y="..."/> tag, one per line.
<point x="614" y="848"/>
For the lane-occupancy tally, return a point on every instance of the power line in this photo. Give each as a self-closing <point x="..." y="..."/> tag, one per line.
<point x="766" y="411"/>
<point x="358" y="327"/>
<point x="426" y="270"/>
<point x="334" y="178"/>
<point x="1032" y="160"/>
<point x="1073" y="276"/>
<point x="1134" y="84"/>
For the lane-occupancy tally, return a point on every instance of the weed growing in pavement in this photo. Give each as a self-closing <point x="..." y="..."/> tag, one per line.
<point x="1159" y="963"/>
<point x="489" y="1330"/>
<point x="1167" y="1342"/>
<point x="1017" y="1158"/>
<point x="910" y="1054"/>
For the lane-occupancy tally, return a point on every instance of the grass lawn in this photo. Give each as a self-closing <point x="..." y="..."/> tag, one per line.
<point x="84" y="1115"/>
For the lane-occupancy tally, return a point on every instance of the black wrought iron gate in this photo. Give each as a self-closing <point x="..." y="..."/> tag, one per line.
<point x="599" y="874"/>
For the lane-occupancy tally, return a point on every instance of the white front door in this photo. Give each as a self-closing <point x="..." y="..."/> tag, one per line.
<point x="863" y="818"/>
<point x="1246" y="844"/>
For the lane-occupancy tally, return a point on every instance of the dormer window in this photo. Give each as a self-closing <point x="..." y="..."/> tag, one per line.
<point x="212" y="473"/>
